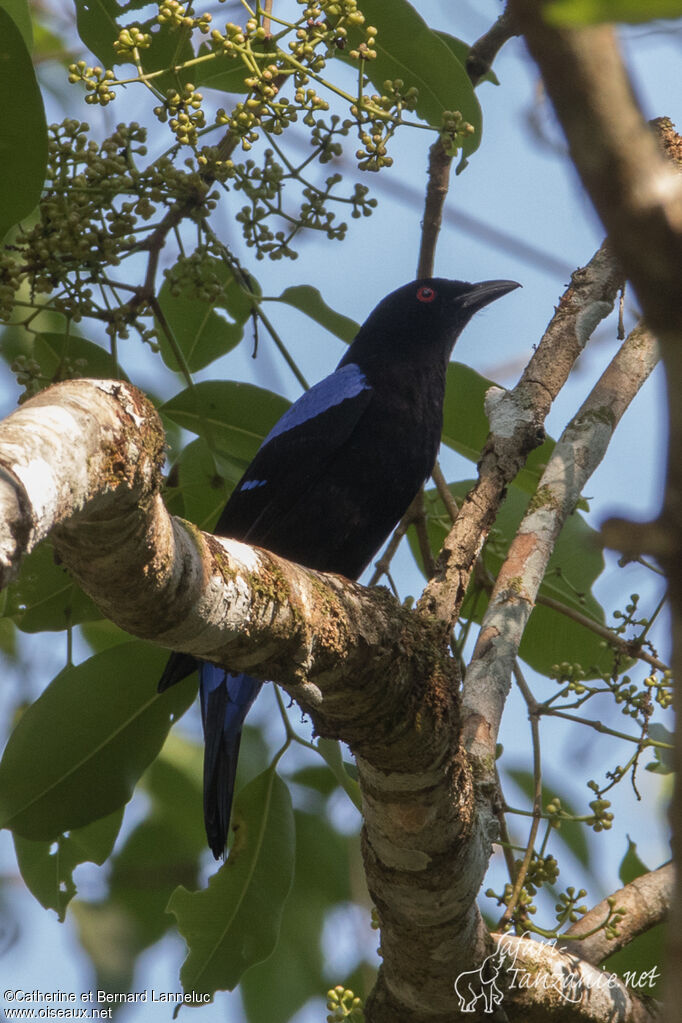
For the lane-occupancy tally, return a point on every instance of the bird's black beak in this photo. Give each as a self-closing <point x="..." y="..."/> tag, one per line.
<point x="482" y="294"/>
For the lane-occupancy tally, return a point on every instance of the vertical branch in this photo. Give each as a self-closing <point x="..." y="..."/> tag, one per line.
<point x="436" y="191"/>
<point x="639" y="199"/>
<point x="537" y="796"/>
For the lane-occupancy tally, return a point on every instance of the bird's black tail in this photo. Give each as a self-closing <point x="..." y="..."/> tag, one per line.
<point x="178" y="666"/>
<point x="225" y="702"/>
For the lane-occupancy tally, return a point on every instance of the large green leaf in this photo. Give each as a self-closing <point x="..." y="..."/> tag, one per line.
<point x="78" y="751"/>
<point x="466" y="428"/>
<point x="276" y="989"/>
<point x="23" y="129"/>
<point x="631" y="866"/>
<point x="205" y="481"/>
<point x="310" y="301"/>
<point x="60" y="356"/>
<point x="330" y="751"/>
<point x="161" y="852"/>
<point x="235" y="922"/>
<point x="100" y="21"/>
<point x="204" y="486"/>
<point x="63" y="357"/>
<point x="550" y="637"/>
<point x="408" y="49"/>
<point x="664" y="759"/>
<point x="233" y="418"/>
<point x="200" y="332"/>
<point x="47" y="867"/>
<point x="591" y="12"/>
<point x="45" y="597"/>
<point x="639" y="963"/>
<point x="21" y="16"/>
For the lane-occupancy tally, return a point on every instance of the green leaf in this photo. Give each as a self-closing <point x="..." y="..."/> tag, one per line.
<point x="408" y="49"/>
<point x="100" y="21"/>
<point x="65" y="357"/>
<point x="8" y="637"/>
<point x="45" y="597"/>
<point x="202" y="334"/>
<point x="18" y="11"/>
<point x="639" y="962"/>
<point x="235" y="922"/>
<point x="576" y="563"/>
<point x="60" y="356"/>
<point x="23" y="129"/>
<point x="631" y="865"/>
<point x="330" y="751"/>
<point x="233" y="418"/>
<point x="98" y="28"/>
<point x="550" y="637"/>
<point x="324" y="862"/>
<point x="103" y="634"/>
<point x="664" y="762"/>
<point x="48" y="871"/>
<point x="591" y="12"/>
<point x="162" y="851"/>
<point x="466" y="428"/>
<point x="77" y="752"/>
<point x="205" y="481"/>
<point x="309" y="301"/>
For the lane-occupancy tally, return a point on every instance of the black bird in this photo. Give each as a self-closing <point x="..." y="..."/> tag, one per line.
<point x="332" y="479"/>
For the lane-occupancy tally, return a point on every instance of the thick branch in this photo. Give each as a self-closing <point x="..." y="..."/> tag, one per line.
<point x="575" y="457"/>
<point x="546" y="984"/>
<point x="82" y="465"/>
<point x="646" y="901"/>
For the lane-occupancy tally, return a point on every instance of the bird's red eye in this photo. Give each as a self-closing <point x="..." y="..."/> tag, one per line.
<point x="426" y="294"/>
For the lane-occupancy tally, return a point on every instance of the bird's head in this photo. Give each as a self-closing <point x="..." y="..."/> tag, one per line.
<point x="424" y="318"/>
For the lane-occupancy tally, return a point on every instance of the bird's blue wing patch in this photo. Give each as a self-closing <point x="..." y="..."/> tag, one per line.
<point x="294" y="453"/>
<point x="252" y="484"/>
<point x="347" y="382"/>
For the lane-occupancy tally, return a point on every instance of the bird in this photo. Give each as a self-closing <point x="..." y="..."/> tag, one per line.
<point x="332" y="479"/>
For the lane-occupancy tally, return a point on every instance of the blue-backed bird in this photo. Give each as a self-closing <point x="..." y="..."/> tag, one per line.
<point x="333" y="477"/>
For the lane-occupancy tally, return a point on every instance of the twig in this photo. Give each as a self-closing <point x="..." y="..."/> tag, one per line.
<point x="384" y="563"/>
<point x="483" y="52"/>
<point x="533" y="716"/>
<point x="632" y="647"/>
<point x="444" y="492"/>
<point x="267" y="11"/>
<point x="436" y="191"/>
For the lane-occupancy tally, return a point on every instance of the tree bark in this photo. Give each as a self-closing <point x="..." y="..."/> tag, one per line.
<point x="637" y="192"/>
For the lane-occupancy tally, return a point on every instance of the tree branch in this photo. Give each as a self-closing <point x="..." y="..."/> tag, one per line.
<point x="638" y="196"/>
<point x="647" y="903"/>
<point x="483" y="52"/>
<point x="575" y="457"/>
<point x="82" y="464"/>
<point x="548" y="984"/>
